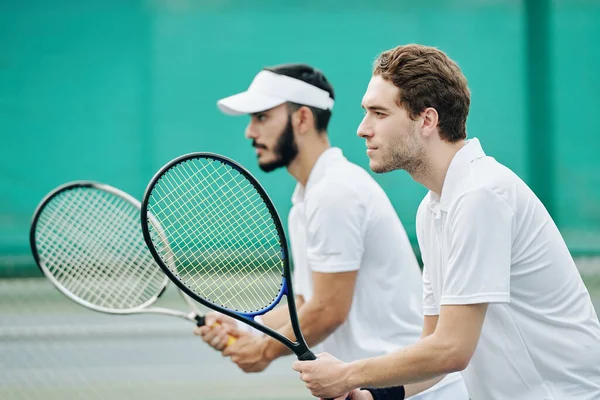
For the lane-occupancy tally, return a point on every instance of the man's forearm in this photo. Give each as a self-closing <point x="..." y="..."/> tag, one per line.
<point x="276" y="318"/>
<point x="317" y="322"/>
<point x="280" y="316"/>
<point x="428" y="359"/>
<point x="415" y="388"/>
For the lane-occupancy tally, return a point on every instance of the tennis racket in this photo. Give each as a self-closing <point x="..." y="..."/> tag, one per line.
<point x="86" y="239"/>
<point x="227" y="247"/>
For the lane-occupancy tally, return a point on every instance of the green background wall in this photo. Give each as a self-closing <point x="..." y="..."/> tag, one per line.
<point x="111" y="90"/>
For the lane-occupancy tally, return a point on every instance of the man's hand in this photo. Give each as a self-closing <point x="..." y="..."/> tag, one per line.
<point x="248" y="352"/>
<point x="218" y="330"/>
<point x="325" y="377"/>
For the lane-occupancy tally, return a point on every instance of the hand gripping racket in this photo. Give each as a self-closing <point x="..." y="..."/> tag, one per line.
<point x="86" y="239"/>
<point x="227" y="247"/>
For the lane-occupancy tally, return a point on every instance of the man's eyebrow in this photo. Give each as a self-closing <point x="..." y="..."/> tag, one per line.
<point x="375" y="108"/>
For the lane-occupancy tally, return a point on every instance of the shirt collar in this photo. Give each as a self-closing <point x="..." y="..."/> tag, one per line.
<point x="457" y="170"/>
<point x="328" y="157"/>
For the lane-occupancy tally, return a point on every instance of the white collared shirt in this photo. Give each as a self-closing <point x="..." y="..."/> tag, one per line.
<point x="488" y="239"/>
<point x="343" y="221"/>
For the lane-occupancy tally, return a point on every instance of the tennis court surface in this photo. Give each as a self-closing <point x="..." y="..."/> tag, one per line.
<point x="52" y="348"/>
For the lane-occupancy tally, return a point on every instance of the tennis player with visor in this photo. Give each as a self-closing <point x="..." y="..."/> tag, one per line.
<point x="357" y="281"/>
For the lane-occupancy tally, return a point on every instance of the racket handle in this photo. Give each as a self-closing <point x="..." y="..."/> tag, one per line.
<point x="201" y="321"/>
<point x="231" y="340"/>
<point x="308" y="356"/>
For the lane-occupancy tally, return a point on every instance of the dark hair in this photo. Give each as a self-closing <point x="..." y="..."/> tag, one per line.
<point x="312" y="76"/>
<point x="427" y="77"/>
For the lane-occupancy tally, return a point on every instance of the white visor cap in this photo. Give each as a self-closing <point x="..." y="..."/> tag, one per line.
<point x="269" y="90"/>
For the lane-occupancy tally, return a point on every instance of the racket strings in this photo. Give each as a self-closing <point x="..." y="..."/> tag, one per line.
<point x="227" y="292"/>
<point x="91" y="243"/>
<point x="253" y="228"/>
<point x="113" y="256"/>
<point x="211" y="222"/>
<point x="104" y="251"/>
<point x="88" y="249"/>
<point x="127" y="250"/>
<point x="224" y="242"/>
<point x="71" y="267"/>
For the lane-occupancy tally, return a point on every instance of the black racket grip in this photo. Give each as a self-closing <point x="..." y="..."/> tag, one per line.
<point x="200" y="320"/>
<point x="310" y="356"/>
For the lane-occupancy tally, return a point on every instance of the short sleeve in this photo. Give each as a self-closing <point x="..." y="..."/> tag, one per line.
<point x="297" y="239"/>
<point x="480" y="227"/>
<point x="429" y="305"/>
<point x="334" y="235"/>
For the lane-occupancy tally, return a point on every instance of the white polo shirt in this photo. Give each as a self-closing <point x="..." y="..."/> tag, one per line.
<point x="343" y="221"/>
<point x="488" y="239"/>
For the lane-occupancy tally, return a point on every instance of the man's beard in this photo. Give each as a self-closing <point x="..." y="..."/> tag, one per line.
<point x="404" y="153"/>
<point x="285" y="149"/>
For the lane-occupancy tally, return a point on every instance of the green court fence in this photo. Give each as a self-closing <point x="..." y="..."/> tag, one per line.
<point x="111" y="90"/>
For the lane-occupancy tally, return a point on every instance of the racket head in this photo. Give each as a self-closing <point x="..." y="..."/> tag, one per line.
<point x="225" y="236"/>
<point x="86" y="239"/>
<point x="207" y="187"/>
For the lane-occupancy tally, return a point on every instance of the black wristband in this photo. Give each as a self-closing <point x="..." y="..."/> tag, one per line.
<point x="391" y="393"/>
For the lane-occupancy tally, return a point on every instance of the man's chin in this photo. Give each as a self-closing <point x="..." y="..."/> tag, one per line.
<point x="379" y="168"/>
<point x="268" y="166"/>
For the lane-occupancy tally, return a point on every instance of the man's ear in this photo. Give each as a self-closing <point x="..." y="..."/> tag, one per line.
<point x="303" y="120"/>
<point x="430" y="120"/>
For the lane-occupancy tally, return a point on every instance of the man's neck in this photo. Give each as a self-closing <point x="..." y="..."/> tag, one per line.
<point x="433" y="173"/>
<point x="308" y="154"/>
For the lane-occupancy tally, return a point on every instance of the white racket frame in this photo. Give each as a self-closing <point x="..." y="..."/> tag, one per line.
<point x="143" y="308"/>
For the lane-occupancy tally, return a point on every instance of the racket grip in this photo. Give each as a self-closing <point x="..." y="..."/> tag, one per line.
<point x="308" y="356"/>
<point x="231" y="339"/>
<point x="201" y="321"/>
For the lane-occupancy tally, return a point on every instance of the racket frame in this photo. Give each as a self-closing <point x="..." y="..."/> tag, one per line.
<point x="193" y="316"/>
<point x="300" y="348"/>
